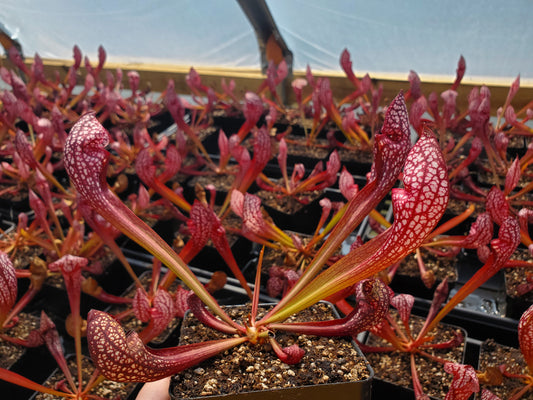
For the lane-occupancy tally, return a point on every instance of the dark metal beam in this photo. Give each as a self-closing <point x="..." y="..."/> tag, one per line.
<point x="268" y="36"/>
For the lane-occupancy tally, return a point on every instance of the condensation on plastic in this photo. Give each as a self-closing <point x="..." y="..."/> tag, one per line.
<point x="385" y="36"/>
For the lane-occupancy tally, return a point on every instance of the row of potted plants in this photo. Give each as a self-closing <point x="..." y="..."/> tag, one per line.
<point x="97" y="180"/>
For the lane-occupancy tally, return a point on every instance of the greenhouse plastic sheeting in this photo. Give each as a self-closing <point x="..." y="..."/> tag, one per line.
<point x="389" y="36"/>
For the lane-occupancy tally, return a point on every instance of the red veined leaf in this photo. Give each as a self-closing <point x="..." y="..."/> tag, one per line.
<point x="417" y="209"/>
<point x="347" y="185"/>
<point x="512" y="177"/>
<point x="480" y="233"/>
<point x="525" y="337"/>
<point x="124" y="358"/>
<point x="141" y="305"/>
<point x="497" y="205"/>
<point x="8" y="286"/>
<point x="391" y="148"/>
<point x="464" y="382"/>
<point x="404" y="304"/>
<point x="161" y="313"/>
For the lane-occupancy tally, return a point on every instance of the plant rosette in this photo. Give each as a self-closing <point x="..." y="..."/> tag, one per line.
<point x="394" y="368"/>
<point x="105" y="390"/>
<point x="331" y="366"/>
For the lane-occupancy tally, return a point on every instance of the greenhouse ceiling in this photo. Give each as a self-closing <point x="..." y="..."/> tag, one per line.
<point x="384" y="37"/>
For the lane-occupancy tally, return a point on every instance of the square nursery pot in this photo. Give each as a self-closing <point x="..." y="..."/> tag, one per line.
<point x="517" y="303"/>
<point x="249" y="369"/>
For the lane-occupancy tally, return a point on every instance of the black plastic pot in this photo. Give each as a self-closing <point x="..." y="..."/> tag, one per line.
<point x="303" y="220"/>
<point x="360" y="389"/>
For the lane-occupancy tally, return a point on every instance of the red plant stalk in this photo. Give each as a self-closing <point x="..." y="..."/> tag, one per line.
<point x="274" y="76"/>
<point x="473" y="154"/>
<point x="513" y="90"/>
<point x="53" y="343"/>
<point x="459" y="73"/>
<point x="417" y="386"/>
<point x="427" y="276"/>
<point x="417" y="209"/>
<point x="479" y="110"/>
<point x="70" y="267"/>
<point x="91" y="287"/>
<point x="47" y="334"/>
<point x="42" y="186"/>
<point x="86" y="162"/>
<point x="16" y="379"/>
<point x="177" y="110"/>
<point x="362" y="88"/>
<point x="499" y="208"/>
<point x="297" y="86"/>
<point x="40" y="215"/>
<point x="318" y="121"/>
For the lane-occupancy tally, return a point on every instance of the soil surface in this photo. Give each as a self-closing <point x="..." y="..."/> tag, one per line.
<point x="248" y="368"/>
<point x="297" y="146"/>
<point x="10" y="353"/>
<point x="222" y="183"/>
<point x="287" y="204"/>
<point x="442" y="267"/>
<point x="493" y="354"/>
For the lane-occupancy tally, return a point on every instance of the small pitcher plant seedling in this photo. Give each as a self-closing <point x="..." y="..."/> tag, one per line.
<point x="296" y="185"/>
